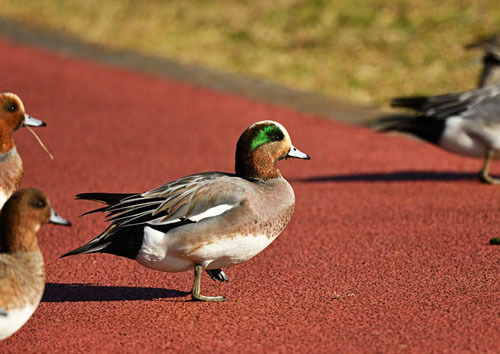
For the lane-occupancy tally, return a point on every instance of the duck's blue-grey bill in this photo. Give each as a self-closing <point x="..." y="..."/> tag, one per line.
<point x="296" y="153"/>
<point x="57" y="219"/>
<point x="33" y="122"/>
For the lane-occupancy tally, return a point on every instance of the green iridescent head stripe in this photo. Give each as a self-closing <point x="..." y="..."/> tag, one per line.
<point x="7" y="104"/>
<point x="264" y="135"/>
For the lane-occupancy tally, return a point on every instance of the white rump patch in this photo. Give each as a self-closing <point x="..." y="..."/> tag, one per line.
<point x="14" y="320"/>
<point x="154" y="253"/>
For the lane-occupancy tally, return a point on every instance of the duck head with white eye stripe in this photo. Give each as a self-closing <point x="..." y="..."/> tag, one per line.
<point x="260" y="147"/>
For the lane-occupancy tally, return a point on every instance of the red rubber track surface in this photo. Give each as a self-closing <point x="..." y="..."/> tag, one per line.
<point x="387" y="250"/>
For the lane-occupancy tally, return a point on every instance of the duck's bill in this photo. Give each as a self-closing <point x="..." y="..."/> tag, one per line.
<point x="33" y="122"/>
<point x="57" y="219"/>
<point x="297" y="154"/>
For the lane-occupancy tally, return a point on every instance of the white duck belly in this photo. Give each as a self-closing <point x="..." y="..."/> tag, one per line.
<point x="161" y="252"/>
<point x="461" y="138"/>
<point x="15" y="319"/>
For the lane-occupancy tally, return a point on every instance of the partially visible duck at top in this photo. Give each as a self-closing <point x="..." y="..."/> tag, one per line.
<point x="12" y="117"/>
<point x="205" y="221"/>
<point x="22" y="271"/>
<point x="466" y="123"/>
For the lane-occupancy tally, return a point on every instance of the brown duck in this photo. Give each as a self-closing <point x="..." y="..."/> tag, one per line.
<point x="22" y="272"/>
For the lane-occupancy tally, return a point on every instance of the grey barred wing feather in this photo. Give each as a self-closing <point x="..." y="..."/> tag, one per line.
<point x="188" y="199"/>
<point x="469" y="104"/>
<point x="486" y="108"/>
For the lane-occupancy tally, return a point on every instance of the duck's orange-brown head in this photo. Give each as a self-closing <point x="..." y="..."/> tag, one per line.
<point x="21" y="217"/>
<point x="260" y="147"/>
<point x="13" y="117"/>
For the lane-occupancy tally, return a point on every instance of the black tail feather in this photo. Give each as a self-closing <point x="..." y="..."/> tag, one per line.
<point x="109" y="199"/>
<point x="416" y="103"/>
<point x="392" y="122"/>
<point x="426" y="128"/>
<point x="124" y="242"/>
<point x="105" y="198"/>
<point x="103" y="209"/>
<point x="91" y="247"/>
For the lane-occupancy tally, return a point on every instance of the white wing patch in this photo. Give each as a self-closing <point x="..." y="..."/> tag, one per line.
<point x="215" y="211"/>
<point x="218" y="210"/>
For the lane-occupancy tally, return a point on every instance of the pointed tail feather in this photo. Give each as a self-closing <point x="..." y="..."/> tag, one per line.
<point x="91" y="247"/>
<point x="426" y="128"/>
<point x="104" y="198"/>
<point x="416" y="103"/>
<point x="393" y="122"/>
<point x="98" y="244"/>
<point x="124" y="242"/>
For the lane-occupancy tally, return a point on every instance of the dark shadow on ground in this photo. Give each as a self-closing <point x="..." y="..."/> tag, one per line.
<point x="401" y="176"/>
<point x="61" y="292"/>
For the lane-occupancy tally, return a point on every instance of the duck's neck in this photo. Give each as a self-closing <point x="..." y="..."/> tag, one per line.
<point x="6" y="141"/>
<point x="491" y="71"/>
<point x="10" y="232"/>
<point x="5" y="156"/>
<point x="255" y="165"/>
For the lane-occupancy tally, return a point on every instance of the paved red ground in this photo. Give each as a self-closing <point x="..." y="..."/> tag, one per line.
<point x="387" y="251"/>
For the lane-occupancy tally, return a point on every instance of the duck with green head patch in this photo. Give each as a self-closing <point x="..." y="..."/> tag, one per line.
<point x="211" y="220"/>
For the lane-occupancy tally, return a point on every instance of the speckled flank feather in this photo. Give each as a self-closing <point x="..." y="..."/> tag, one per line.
<point x="22" y="279"/>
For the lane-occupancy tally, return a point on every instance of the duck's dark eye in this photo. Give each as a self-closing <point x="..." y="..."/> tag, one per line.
<point x="12" y="108"/>
<point x="277" y="136"/>
<point x="40" y="204"/>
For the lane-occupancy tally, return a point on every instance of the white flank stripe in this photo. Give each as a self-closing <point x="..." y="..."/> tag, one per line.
<point x="218" y="210"/>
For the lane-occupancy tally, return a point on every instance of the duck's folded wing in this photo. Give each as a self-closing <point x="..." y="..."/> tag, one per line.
<point x="189" y="199"/>
<point x="443" y="106"/>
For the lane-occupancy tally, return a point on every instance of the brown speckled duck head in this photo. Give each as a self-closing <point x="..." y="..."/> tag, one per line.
<point x="21" y="217"/>
<point x="260" y="147"/>
<point x="13" y="117"/>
